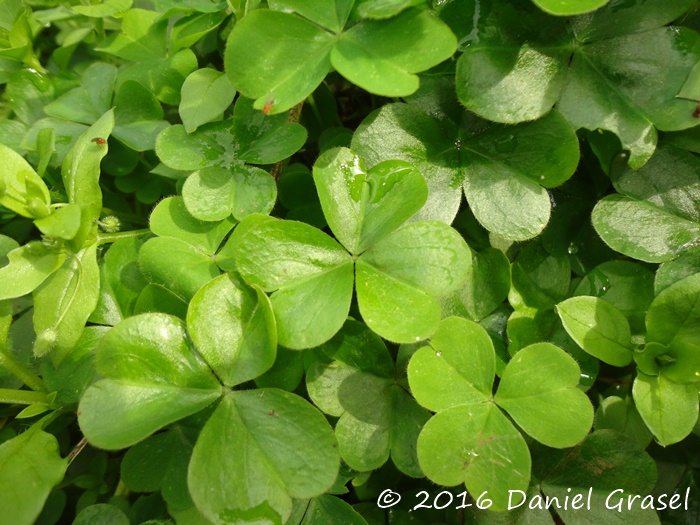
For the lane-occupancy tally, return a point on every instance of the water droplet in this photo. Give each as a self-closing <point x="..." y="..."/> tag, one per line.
<point x="417" y="338"/>
<point x="438" y="354"/>
<point x="541" y="177"/>
<point x="458" y="144"/>
<point x="572" y="249"/>
<point x="598" y="282"/>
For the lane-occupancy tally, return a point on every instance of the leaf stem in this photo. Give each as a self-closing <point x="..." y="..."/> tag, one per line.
<point x="294" y="115"/>
<point x="29" y="378"/>
<point x="77" y="450"/>
<point x="104" y="238"/>
<point x="22" y="397"/>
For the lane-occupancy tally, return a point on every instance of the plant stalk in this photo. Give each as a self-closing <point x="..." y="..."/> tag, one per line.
<point x="294" y="115"/>
<point x="29" y="378"/>
<point x="104" y="238"/>
<point x="22" y="397"/>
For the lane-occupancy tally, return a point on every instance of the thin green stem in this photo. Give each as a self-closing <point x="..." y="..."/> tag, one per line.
<point x="104" y="238"/>
<point x="29" y="378"/>
<point x="22" y="397"/>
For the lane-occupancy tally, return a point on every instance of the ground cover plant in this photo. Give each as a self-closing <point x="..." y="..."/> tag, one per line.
<point x="299" y="262"/>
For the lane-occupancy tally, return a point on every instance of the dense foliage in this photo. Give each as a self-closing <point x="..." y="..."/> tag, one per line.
<point x="278" y="262"/>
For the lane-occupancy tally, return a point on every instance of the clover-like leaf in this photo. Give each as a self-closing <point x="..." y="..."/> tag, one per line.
<point x="544" y="400"/>
<point x="309" y="273"/>
<point x="657" y="215"/>
<point x="382" y="56"/>
<point x="597" y="327"/>
<point x="248" y="136"/>
<point x="518" y="71"/>
<point x="213" y="194"/>
<point x="669" y="409"/>
<point x="377" y="416"/>
<point x="363" y="206"/>
<point x="206" y="93"/>
<point x="502" y="170"/>
<point x="233" y="326"/>
<point x="152" y="377"/>
<point x="400" y="276"/>
<point x="467" y="444"/>
<point x="289" y="451"/>
<point x="569" y="7"/>
<point x="30" y="466"/>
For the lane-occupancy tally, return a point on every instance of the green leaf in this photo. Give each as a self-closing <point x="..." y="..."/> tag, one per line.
<point x="184" y="271"/>
<point x="377" y="416"/>
<point x="398" y="278"/>
<point x="21" y="189"/>
<point x="121" y="283"/>
<point x="331" y="15"/>
<point x="103" y="10"/>
<point x="628" y="286"/>
<point x="28" y="267"/>
<point x="63" y="303"/>
<point x="327" y="510"/>
<point x="81" y="167"/>
<point x="63" y="223"/>
<point x="544" y="400"/>
<point x="289" y="453"/>
<point x="142" y="37"/>
<point x="539" y="280"/>
<point x="621" y="415"/>
<point x="457" y="370"/>
<point x="76" y="372"/>
<point x="641" y="230"/>
<point x="206" y="93"/>
<point x="362" y="207"/>
<point x="569" y="7"/>
<point x="597" y="327"/>
<point x="153" y="377"/>
<point x="295" y="61"/>
<point x="604" y="462"/>
<point x="213" y="194"/>
<point x="30" y="466"/>
<point x="669" y="409"/>
<point x="502" y="168"/>
<point x="249" y="136"/>
<point x="685" y="265"/>
<point x="382" y="56"/>
<point x="138" y="116"/>
<point x="233" y="327"/>
<point x="160" y="463"/>
<point x="467" y="444"/>
<point x="102" y="513"/>
<point x="486" y="287"/>
<point x="170" y="218"/>
<point x="189" y="29"/>
<point x="91" y="100"/>
<point x="674" y="315"/>
<point x="309" y="273"/>
<point x="383" y="8"/>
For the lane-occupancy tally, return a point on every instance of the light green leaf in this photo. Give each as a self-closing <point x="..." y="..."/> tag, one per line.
<point x="170" y="218"/>
<point x="295" y="61"/>
<point x="288" y="452"/>
<point x="457" y="369"/>
<point x="63" y="223"/>
<point x="213" y="194"/>
<point x="669" y="409"/>
<point x="21" y="189"/>
<point x="331" y="15"/>
<point x="539" y="391"/>
<point x="142" y="37"/>
<point x="569" y="7"/>
<point x="233" y="327"/>
<point x="206" y="93"/>
<point x="30" y="466"/>
<point x="327" y="510"/>
<point x="184" y="271"/>
<point x="103" y="10"/>
<point x="153" y="377"/>
<point x="639" y="229"/>
<point x="28" y="267"/>
<point x="362" y="207"/>
<point x="597" y="327"/>
<point x="622" y="416"/>
<point x="309" y="273"/>
<point x="63" y="303"/>
<point x="81" y="167"/>
<point x="398" y="278"/>
<point x="382" y="56"/>
<point x="467" y="444"/>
